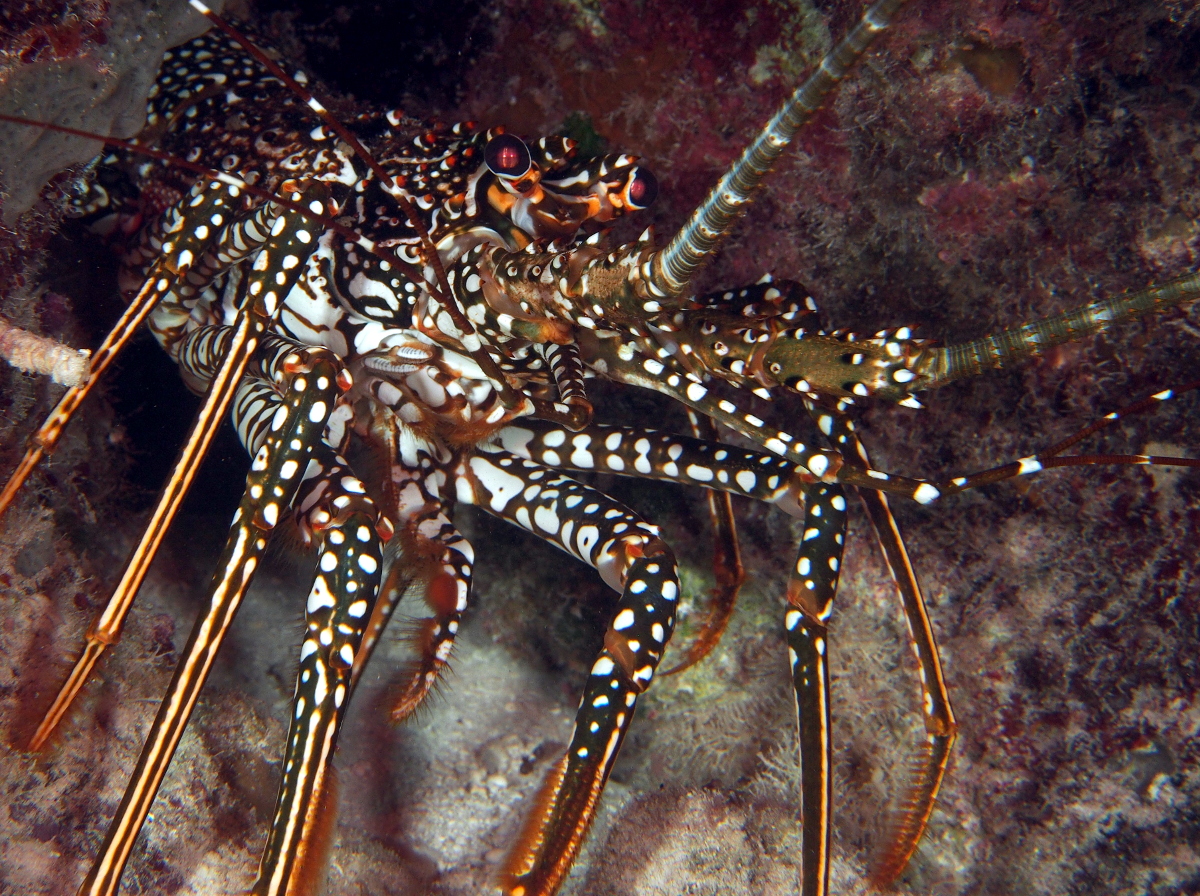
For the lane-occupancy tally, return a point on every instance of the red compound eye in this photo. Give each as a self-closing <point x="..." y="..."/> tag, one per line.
<point x="641" y="189"/>
<point x="507" y="156"/>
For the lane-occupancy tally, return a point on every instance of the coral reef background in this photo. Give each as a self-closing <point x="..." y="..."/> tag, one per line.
<point x="990" y="163"/>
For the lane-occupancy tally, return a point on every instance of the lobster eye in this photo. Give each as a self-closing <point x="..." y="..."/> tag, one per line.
<point x="641" y="189"/>
<point x="506" y="156"/>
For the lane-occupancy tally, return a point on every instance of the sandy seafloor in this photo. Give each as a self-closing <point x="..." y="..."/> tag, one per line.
<point x="992" y="162"/>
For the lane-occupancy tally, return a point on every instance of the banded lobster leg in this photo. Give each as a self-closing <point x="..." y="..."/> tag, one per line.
<point x="567" y="370"/>
<point x="213" y="359"/>
<point x="332" y="504"/>
<point x="236" y="345"/>
<point x="633" y="560"/>
<point x="765" y="477"/>
<point x="309" y="383"/>
<point x="627" y="362"/>
<point x="636" y="357"/>
<point x="810" y="592"/>
<point x="338" y="612"/>
<point x="811" y="589"/>
<point x="928" y="766"/>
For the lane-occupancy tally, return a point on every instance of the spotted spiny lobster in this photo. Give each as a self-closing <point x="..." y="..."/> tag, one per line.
<point x="724" y="339"/>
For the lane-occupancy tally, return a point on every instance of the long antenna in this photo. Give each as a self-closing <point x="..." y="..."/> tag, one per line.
<point x="676" y="265"/>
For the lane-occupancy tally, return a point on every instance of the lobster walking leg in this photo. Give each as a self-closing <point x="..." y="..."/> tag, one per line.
<point x="650" y="454"/>
<point x="929" y="765"/>
<point x="339" y="606"/>
<point x="631" y="452"/>
<point x="271" y="485"/>
<point x="928" y="768"/>
<point x="628" y="363"/>
<point x="811" y="589"/>
<point x="213" y="357"/>
<point x="1053" y="456"/>
<point x="434" y="552"/>
<point x="236" y="345"/>
<point x="630" y="558"/>
<point x="270" y="488"/>
<point x="184" y="245"/>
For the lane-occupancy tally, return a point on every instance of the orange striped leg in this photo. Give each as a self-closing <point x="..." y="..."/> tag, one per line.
<point x="270" y="488"/>
<point x="182" y="247"/>
<point x="632" y="559"/>
<point x="236" y="346"/>
<point x="811" y="589"/>
<point x="339" y="607"/>
<point x="929" y="764"/>
<point x="212" y="358"/>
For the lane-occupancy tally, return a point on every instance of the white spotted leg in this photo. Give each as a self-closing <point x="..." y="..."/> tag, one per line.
<point x="723" y="470"/>
<point x="633" y="560"/>
<point x="700" y="460"/>
<point x="928" y="765"/>
<point x="811" y="589"/>
<point x="332" y="508"/>
<point x="810" y="593"/>
<point x="627" y="362"/>
<point x="567" y="370"/>
<point x="213" y="359"/>
<point x="339" y="607"/>
<point x="309" y="393"/>
<point x="434" y="553"/>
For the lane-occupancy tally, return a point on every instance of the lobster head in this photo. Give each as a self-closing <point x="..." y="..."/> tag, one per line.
<point x="472" y="187"/>
<point x="548" y="190"/>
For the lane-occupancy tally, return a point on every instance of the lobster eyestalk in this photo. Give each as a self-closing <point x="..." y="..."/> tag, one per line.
<point x="674" y="267"/>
